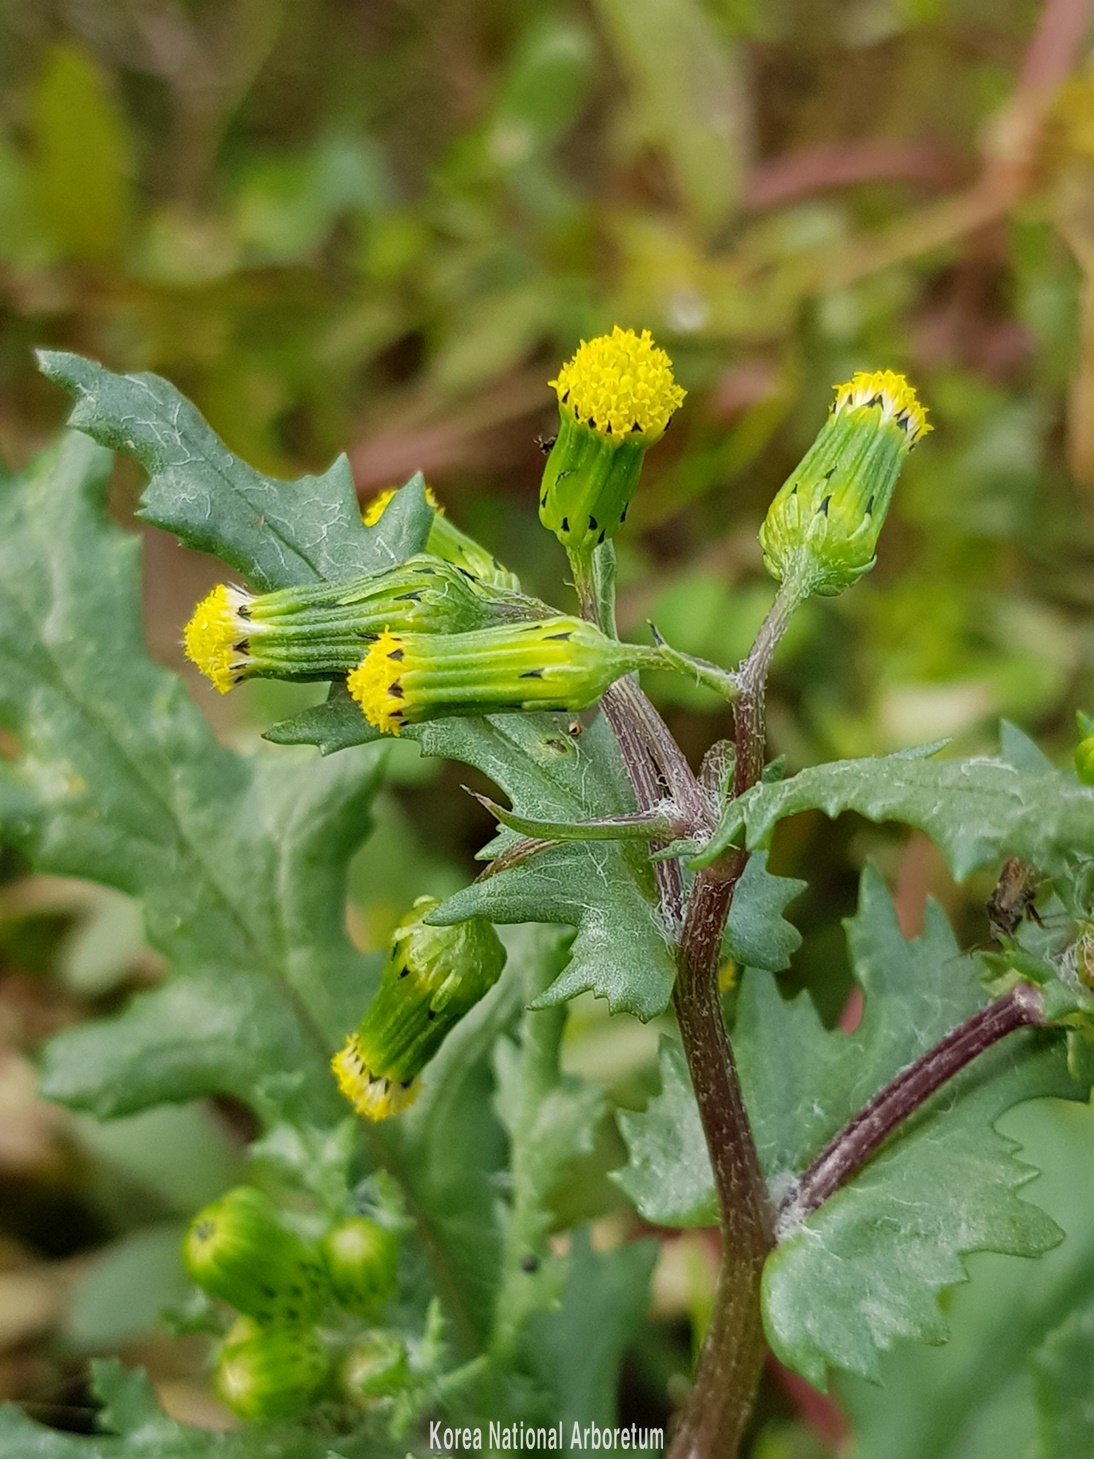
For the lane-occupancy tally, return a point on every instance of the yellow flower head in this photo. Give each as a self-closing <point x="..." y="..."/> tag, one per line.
<point x="371" y="1095"/>
<point x="619" y="384"/>
<point x="212" y="634"/>
<point x="374" y="683"/>
<point x="890" y="392"/>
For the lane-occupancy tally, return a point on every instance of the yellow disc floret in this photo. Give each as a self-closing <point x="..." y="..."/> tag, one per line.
<point x="371" y="1095"/>
<point x="380" y="503"/>
<point x="891" y="392"/>
<point x="620" y="383"/>
<point x="210" y="637"/>
<point x="374" y="683"/>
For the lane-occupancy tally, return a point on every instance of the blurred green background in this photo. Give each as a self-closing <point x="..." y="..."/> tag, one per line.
<point x="378" y="227"/>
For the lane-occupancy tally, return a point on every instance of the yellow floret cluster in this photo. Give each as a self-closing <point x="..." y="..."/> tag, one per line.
<point x="210" y="637"/>
<point x="620" y="383"/>
<point x="373" y="1096"/>
<point x="374" y="683"/>
<point x="892" y="393"/>
<point x="380" y="503"/>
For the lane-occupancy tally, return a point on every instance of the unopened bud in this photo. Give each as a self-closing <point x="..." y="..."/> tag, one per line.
<point x="239" y="1250"/>
<point x="362" y="1259"/>
<point x="822" y="529"/>
<point x="446" y="540"/>
<point x="375" y="1367"/>
<point x="275" y="1373"/>
<point x="432" y="977"/>
<point x="555" y="663"/>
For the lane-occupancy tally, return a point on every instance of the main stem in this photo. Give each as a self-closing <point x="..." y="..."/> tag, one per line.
<point x="728" y="1372"/>
<point x="714" y="1417"/>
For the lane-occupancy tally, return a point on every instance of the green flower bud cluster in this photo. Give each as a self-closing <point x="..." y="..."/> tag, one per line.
<point x="290" y="1344"/>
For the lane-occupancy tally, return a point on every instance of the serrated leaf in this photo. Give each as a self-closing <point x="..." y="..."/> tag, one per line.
<point x="977" y="811"/>
<point x="336" y="724"/>
<point x="239" y="862"/>
<point x="604" y="890"/>
<point x="974" y="1398"/>
<point x="274" y="532"/>
<point x="868" y="1267"/>
<point x="667" y="1189"/>
<point x="212" y="1029"/>
<point x="757" y="933"/>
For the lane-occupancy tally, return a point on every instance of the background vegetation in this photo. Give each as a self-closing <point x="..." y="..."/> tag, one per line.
<point x="379" y="227"/>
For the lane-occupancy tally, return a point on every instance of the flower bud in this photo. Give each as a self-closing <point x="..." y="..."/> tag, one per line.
<point x="275" y="1373"/>
<point x="239" y="1250"/>
<point x="375" y="1367"/>
<point x="432" y="977"/>
<point x="445" y="540"/>
<point x="316" y="630"/>
<point x="615" y="398"/>
<point x="822" y="529"/>
<point x="556" y="663"/>
<point x="361" y="1257"/>
<point x="1084" y="750"/>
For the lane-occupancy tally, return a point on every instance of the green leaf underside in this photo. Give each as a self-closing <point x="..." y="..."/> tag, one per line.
<point x="276" y="533"/>
<point x="602" y="889"/>
<point x="868" y="1267"/>
<point x="239" y="861"/>
<point x="977" y="811"/>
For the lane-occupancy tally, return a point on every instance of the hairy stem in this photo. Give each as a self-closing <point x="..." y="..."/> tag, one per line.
<point x="731" y="1360"/>
<point x="654" y="762"/>
<point x="1022" y="1007"/>
<point x="713" y="1419"/>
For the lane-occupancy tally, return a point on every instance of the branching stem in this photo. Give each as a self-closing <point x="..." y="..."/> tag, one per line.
<point x="1022" y="1007"/>
<point x="714" y="1417"/>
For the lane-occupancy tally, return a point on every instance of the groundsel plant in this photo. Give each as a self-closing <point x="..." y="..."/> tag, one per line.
<point x="397" y="1266"/>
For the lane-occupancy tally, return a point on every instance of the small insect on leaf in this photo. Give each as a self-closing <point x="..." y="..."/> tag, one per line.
<point x="1012" y="901"/>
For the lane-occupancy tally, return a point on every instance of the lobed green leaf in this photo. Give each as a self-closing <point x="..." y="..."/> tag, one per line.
<point x="868" y="1267"/>
<point x="276" y="533"/>
<point x="602" y="889"/>
<point x="239" y="862"/>
<point x="977" y="811"/>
